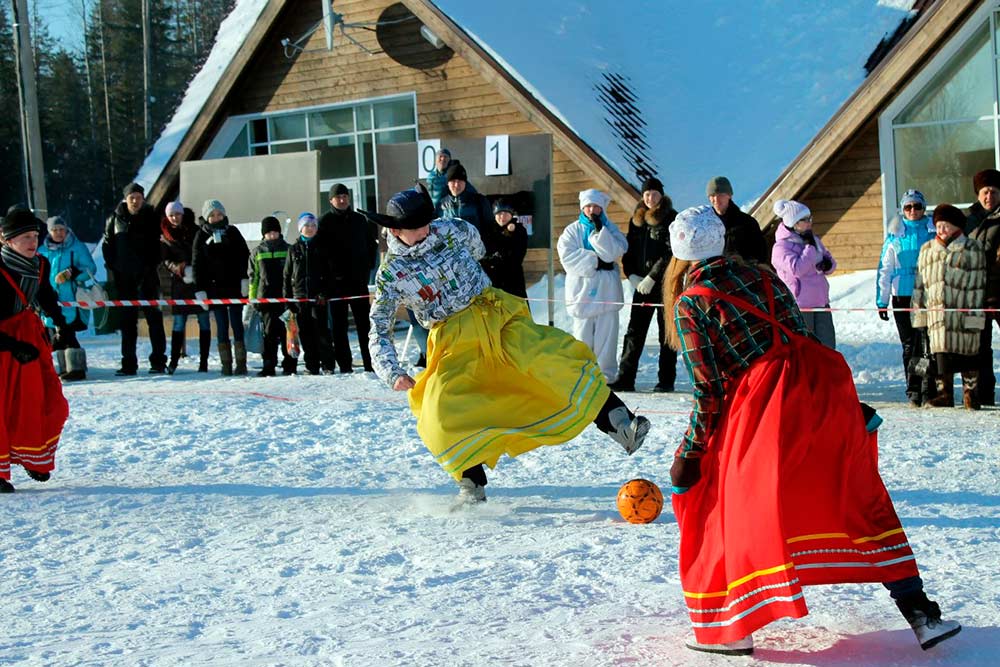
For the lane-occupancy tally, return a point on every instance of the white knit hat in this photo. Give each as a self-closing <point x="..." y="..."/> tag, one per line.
<point x="593" y="196"/>
<point x="697" y="233"/>
<point x="305" y="218"/>
<point x="791" y="211"/>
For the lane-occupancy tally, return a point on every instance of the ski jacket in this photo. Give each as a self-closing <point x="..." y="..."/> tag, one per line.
<point x="743" y="235"/>
<point x="435" y="278"/>
<point x="176" y="250"/>
<point x="984" y="226"/>
<point x="648" y="239"/>
<point x="796" y="261"/>
<point x="897" y="265"/>
<point x="267" y="269"/>
<point x="951" y="276"/>
<point x="72" y="254"/>
<point x="131" y="244"/>
<point x="504" y="258"/>
<point x="437" y="186"/>
<point x="590" y="290"/>
<point x="219" y="257"/>
<point x="307" y="271"/>
<point x="351" y="242"/>
<point x="469" y="206"/>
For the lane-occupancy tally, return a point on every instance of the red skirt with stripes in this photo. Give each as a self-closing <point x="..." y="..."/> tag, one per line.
<point x="34" y="408"/>
<point x="790" y="496"/>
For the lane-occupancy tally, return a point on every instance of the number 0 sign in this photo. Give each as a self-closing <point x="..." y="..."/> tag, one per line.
<point x="427" y="150"/>
<point x="497" y="155"/>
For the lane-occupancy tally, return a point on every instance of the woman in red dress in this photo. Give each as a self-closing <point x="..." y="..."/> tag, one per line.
<point x="776" y="482"/>
<point x="33" y="407"/>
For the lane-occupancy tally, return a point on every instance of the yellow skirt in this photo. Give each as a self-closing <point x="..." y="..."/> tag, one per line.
<point x="497" y="383"/>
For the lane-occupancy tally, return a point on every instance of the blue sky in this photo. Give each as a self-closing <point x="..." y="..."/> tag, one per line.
<point x="735" y="88"/>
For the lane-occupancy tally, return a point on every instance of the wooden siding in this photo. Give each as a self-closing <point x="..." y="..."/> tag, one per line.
<point x="846" y="202"/>
<point x="453" y="100"/>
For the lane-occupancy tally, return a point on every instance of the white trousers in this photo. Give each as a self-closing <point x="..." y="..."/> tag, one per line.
<point x="600" y="333"/>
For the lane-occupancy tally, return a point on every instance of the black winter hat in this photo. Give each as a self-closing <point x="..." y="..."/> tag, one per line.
<point x="338" y="189"/>
<point x="986" y="177"/>
<point x="269" y="224"/>
<point x="20" y="221"/>
<point x="652" y="183"/>
<point x="456" y="172"/>
<point x="132" y="188"/>
<point x="503" y="205"/>
<point x="409" y="209"/>
<point x="949" y="213"/>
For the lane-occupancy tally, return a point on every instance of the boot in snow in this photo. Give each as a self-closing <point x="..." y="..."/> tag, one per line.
<point x="469" y="493"/>
<point x="204" y="345"/>
<point x="240" y="353"/>
<point x="924" y="616"/>
<point x="226" y="358"/>
<point x="38" y="476"/>
<point x="60" y="362"/>
<point x="739" y="647"/>
<point x="5" y="486"/>
<point x="76" y="365"/>
<point x="176" y="348"/>
<point x="630" y="431"/>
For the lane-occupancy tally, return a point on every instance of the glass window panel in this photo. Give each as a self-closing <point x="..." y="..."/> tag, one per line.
<point x="364" y="115"/>
<point x="333" y="121"/>
<point x="940" y="160"/>
<point x="365" y="155"/>
<point x="336" y="157"/>
<point x="366" y="198"/>
<point x="395" y="136"/>
<point x="996" y="35"/>
<point x="258" y="131"/>
<point x="260" y="150"/>
<point x="290" y="147"/>
<point x="393" y="113"/>
<point x="240" y="147"/>
<point x="287" y="127"/>
<point x="959" y="90"/>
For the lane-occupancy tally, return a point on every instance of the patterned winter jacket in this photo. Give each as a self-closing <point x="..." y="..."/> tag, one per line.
<point x="435" y="278"/>
<point x="897" y="265"/>
<point x="719" y="341"/>
<point x="984" y="226"/>
<point x="951" y="276"/>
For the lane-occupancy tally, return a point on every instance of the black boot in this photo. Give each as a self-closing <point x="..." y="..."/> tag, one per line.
<point x="37" y="476"/>
<point x="204" y="345"/>
<point x="176" y="347"/>
<point x="5" y="486"/>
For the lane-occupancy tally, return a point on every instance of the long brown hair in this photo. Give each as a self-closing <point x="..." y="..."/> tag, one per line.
<point x="673" y="285"/>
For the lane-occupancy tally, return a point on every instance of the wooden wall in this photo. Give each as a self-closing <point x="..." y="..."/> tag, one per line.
<point x="846" y="202"/>
<point x="452" y="100"/>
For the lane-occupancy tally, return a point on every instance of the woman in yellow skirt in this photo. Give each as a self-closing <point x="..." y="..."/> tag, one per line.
<point x="496" y="383"/>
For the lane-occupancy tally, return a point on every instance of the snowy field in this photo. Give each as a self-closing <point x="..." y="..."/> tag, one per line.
<point x="196" y="520"/>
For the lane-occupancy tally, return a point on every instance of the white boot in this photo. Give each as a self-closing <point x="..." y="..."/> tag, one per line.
<point x="629" y="432"/>
<point x="931" y="632"/>
<point x="739" y="647"/>
<point x="60" y="361"/>
<point x="469" y="493"/>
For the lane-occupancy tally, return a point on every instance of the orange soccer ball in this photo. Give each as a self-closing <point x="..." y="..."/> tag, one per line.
<point x="640" y="501"/>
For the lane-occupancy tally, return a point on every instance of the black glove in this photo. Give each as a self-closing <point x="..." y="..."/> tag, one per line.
<point x="808" y="237"/>
<point x="59" y="339"/>
<point x="684" y="474"/>
<point x="825" y="264"/>
<point x="883" y="314"/>
<point x="605" y="266"/>
<point x="598" y="222"/>
<point x="23" y="352"/>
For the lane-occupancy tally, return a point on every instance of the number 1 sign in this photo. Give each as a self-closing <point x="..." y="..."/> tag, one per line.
<point x="497" y="155"/>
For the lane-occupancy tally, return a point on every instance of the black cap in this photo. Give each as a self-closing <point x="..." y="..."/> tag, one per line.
<point x="652" y="183"/>
<point x="269" y="224"/>
<point x="502" y="205"/>
<point x="20" y="221"/>
<point x="456" y="172"/>
<point x="132" y="188"/>
<point x="338" y="189"/>
<point x="409" y="209"/>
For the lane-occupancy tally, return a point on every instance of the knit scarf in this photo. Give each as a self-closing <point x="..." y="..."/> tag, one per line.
<point x="25" y="271"/>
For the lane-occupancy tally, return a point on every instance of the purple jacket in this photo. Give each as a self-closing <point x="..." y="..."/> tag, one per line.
<point x="795" y="261"/>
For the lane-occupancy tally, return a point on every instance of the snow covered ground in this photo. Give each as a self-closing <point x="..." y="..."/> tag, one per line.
<point x="196" y="520"/>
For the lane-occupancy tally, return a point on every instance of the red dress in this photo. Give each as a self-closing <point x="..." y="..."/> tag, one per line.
<point x="790" y="493"/>
<point x="34" y="408"/>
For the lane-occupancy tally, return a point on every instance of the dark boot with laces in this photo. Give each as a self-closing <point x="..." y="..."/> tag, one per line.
<point x="924" y="616"/>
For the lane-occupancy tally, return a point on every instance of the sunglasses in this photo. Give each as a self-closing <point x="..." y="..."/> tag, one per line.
<point x="913" y="207"/>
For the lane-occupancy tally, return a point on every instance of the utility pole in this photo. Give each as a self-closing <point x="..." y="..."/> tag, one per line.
<point x="147" y="122"/>
<point x="31" y="134"/>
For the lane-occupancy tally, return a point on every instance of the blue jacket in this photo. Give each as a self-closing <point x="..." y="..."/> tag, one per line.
<point x="897" y="265"/>
<point x="71" y="254"/>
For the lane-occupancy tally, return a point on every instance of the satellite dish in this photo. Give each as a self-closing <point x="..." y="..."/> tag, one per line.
<point x="406" y="40"/>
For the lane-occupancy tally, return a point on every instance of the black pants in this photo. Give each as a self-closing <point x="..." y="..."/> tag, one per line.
<point x="129" y="323"/>
<point x="314" y="333"/>
<point x="477" y="473"/>
<point x="911" y="341"/>
<point x="986" y="389"/>
<point x="360" y="309"/>
<point x="274" y="334"/>
<point x="643" y="312"/>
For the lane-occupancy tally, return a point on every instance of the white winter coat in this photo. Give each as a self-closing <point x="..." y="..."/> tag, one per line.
<point x="590" y="292"/>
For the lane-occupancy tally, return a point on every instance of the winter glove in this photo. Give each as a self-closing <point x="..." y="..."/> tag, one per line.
<point x="23" y="352"/>
<point x="202" y="295"/>
<point x="598" y="222"/>
<point x="245" y="287"/>
<point x="883" y="314"/>
<point x="63" y="276"/>
<point x="188" y="276"/>
<point x="635" y="280"/>
<point x="604" y="266"/>
<point x="808" y="237"/>
<point x="645" y="286"/>
<point x="684" y="474"/>
<point x="825" y="264"/>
